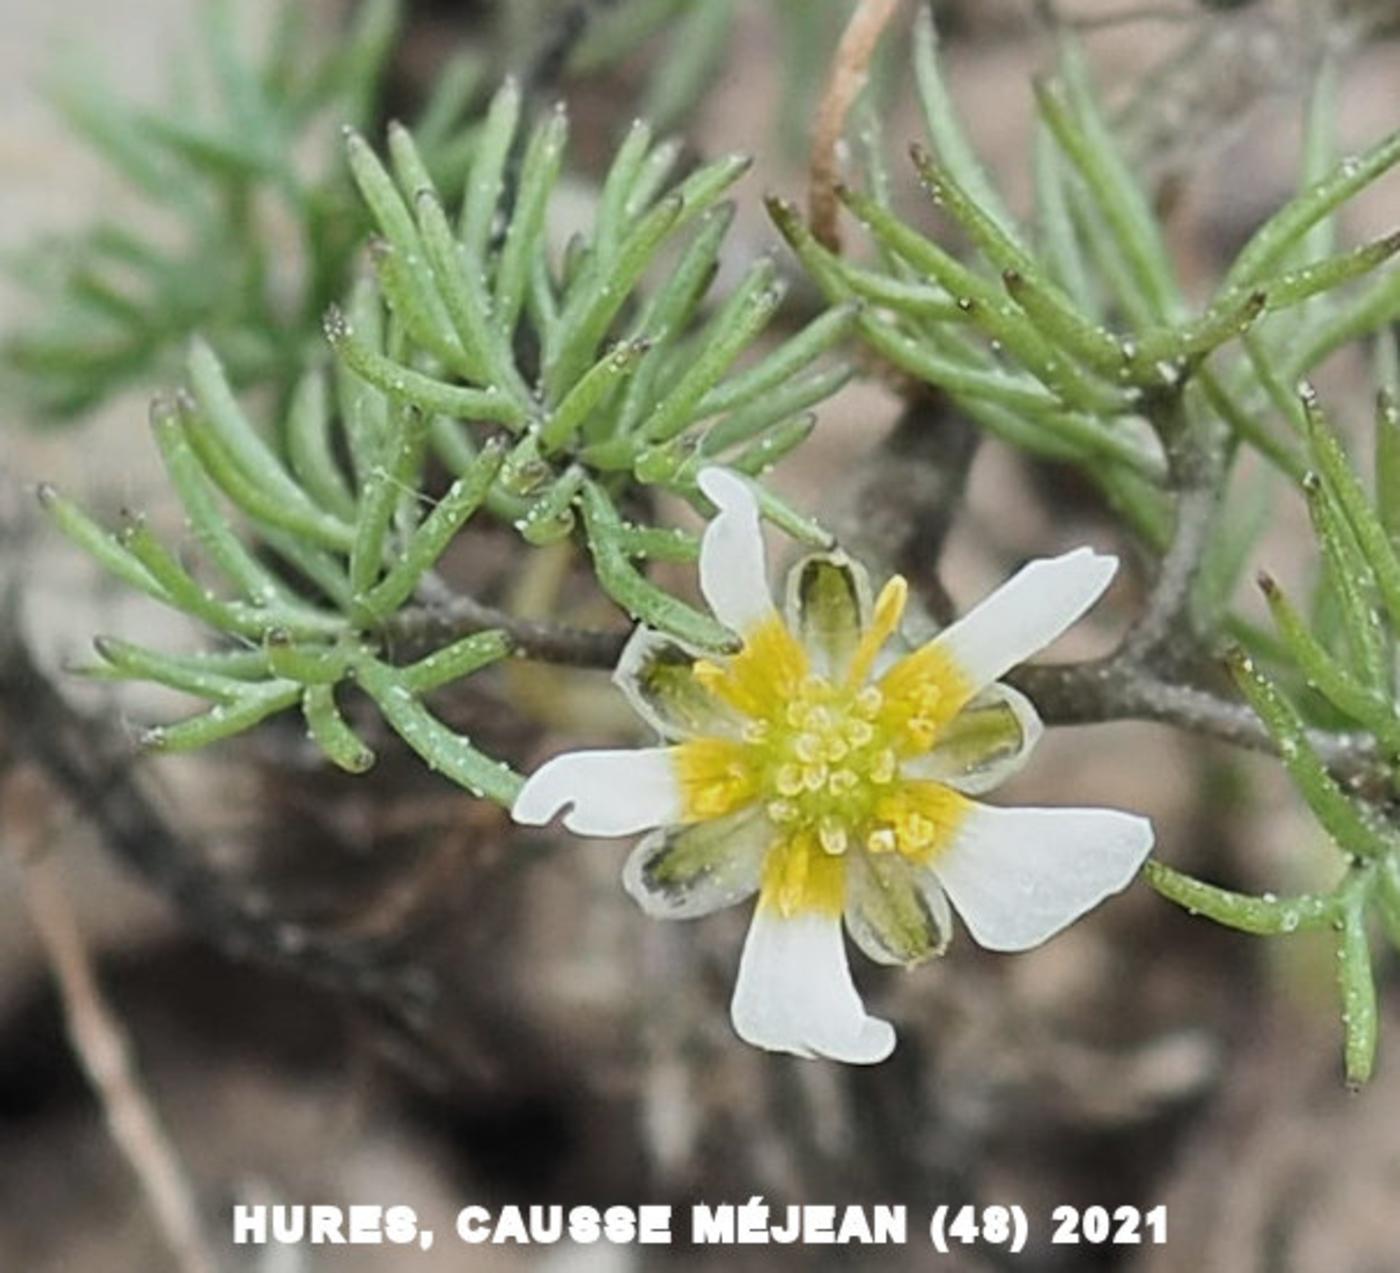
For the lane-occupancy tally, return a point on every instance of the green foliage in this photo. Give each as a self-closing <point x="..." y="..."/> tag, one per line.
<point x="467" y="346"/>
<point x="229" y="184"/>
<point x="1348" y="672"/>
<point x="1071" y="337"/>
<point x="564" y="391"/>
<point x="600" y="368"/>
<point x="312" y="608"/>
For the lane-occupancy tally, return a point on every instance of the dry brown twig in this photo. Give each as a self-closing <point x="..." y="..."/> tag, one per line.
<point x="850" y="69"/>
<point x="101" y="1046"/>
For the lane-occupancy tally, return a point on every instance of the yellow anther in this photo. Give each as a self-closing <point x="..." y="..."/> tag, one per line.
<point x="882" y="840"/>
<point x="918" y="831"/>
<point x="788" y="780"/>
<point x="757" y="731"/>
<point x="832" y="836"/>
<point x="922" y="730"/>
<point x="821" y="758"/>
<point x="929" y="697"/>
<point x="859" y="732"/>
<point x="869" y="701"/>
<point x="889" y="609"/>
<point x="781" y="811"/>
<point x="842" y="781"/>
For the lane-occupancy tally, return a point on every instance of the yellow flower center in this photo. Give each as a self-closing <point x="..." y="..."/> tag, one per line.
<point x="823" y="754"/>
<point x="824" y="761"/>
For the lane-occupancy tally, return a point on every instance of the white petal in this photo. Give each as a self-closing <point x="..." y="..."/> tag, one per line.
<point x="733" y="572"/>
<point x="1026" y="613"/>
<point x="795" y="994"/>
<point x="605" y="792"/>
<point x="988" y="741"/>
<point x="1018" y="876"/>
<point x="685" y="872"/>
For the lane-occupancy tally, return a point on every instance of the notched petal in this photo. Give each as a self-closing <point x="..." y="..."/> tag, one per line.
<point x="685" y="872"/>
<point x="794" y="992"/>
<point x="895" y="911"/>
<point x="656" y="673"/>
<point x="828" y="606"/>
<point x="603" y="792"/>
<point x="980" y="748"/>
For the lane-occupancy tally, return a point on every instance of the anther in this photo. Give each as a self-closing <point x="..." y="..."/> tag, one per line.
<point x="869" y="701"/>
<point x="881" y="840"/>
<point x="842" y="781"/>
<point x="781" y="811"/>
<point x="789" y="780"/>
<point x="832" y="836"/>
<point x="859" y="732"/>
<point x="920" y="830"/>
<point x="808" y="748"/>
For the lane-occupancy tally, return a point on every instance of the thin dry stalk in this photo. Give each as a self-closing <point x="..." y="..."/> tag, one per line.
<point x="101" y="1046"/>
<point x="850" y="69"/>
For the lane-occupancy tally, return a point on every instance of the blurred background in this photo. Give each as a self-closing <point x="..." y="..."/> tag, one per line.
<point x="371" y="990"/>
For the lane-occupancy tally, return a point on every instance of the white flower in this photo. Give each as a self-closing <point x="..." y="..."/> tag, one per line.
<point x="834" y="779"/>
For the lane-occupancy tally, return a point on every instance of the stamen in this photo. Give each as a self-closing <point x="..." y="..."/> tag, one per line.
<point x="842" y="782"/>
<point x="859" y="732"/>
<point x="882" y="840"/>
<point x="918" y="831"/>
<point x="821" y="757"/>
<point x="781" y="812"/>
<point x="869" y="701"/>
<point x="789" y="780"/>
<point x="889" y="609"/>
<point x="832" y="836"/>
